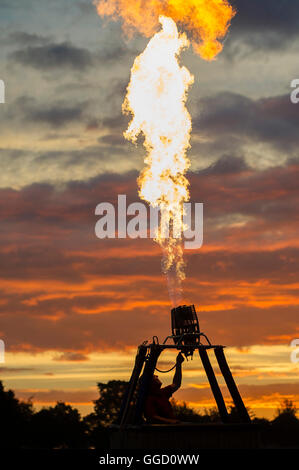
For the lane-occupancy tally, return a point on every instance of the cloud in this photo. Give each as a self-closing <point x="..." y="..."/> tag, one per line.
<point x="62" y="166"/>
<point x="14" y="370"/>
<point x="48" y="397"/>
<point x="226" y="165"/>
<point x="54" y="56"/>
<point x="65" y="290"/>
<point x="272" y="120"/>
<point x="27" y="39"/>
<point x="267" y="15"/>
<point x="69" y="356"/>
<point x="57" y="115"/>
<point x="252" y="394"/>
<point x="263" y="26"/>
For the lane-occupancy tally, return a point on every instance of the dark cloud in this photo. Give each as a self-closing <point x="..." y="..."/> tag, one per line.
<point x="69" y="356"/>
<point x="258" y="16"/>
<point x="272" y="120"/>
<point x="270" y="197"/>
<point x="112" y="139"/>
<point x="54" y="56"/>
<point x="114" y="52"/>
<point x="226" y="164"/>
<point x="55" y="114"/>
<point x="263" y="25"/>
<point x="93" y="124"/>
<point x="27" y="39"/>
<point x="116" y="123"/>
<point x="39" y="53"/>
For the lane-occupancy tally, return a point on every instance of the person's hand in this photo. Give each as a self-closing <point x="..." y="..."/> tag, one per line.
<point x="179" y="358"/>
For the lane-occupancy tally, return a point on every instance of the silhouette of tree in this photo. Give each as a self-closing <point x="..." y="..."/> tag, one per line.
<point x="185" y="413"/>
<point x="61" y="426"/>
<point x="97" y="434"/>
<point x="15" y="418"/>
<point x="107" y="406"/>
<point x="211" y="415"/>
<point x="234" y="415"/>
<point x="286" y="413"/>
<point x="106" y="410"/>
<point x="58" y="427"/>
<point x="285" y="426"/>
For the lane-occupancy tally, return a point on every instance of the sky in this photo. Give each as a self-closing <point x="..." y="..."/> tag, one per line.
<point x="74" y="308"/>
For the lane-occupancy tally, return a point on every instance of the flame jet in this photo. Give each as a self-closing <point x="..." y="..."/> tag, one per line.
<point x="156" y="98"/>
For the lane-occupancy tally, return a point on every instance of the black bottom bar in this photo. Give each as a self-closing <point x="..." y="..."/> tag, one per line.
<point x="89" y="459"/>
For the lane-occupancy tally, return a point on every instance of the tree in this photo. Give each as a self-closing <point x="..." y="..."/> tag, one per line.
<point x="285" y="425"/>
<point x="97" y="434"/>
<point x="15" y="418"/>
<point x="59" y="427"/>
<point x="211" y="415"/>
<point x="106" y="411"/>
<point x="286" y="414"/>
<point x="108" y="405"/>
<point x="185" y="413"/>
<point x="234" y="416"/>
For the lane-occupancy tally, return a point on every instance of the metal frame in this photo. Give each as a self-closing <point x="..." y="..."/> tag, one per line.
<point x="147" y="356"/>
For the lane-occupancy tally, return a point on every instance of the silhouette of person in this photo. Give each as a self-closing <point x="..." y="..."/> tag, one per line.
<point x="158" y="408"/>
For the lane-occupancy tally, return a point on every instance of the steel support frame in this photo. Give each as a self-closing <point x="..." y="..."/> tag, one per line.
<point x="147" y="356"/>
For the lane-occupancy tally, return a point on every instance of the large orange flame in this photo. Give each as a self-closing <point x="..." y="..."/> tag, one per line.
<point x="205" y="21"/>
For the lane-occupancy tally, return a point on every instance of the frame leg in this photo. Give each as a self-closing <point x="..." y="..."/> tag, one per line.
<point x="231" y="385"/>
<point x="139" y="361"/>
<point x="214" y="384"/>
<point x="146" y="380"/>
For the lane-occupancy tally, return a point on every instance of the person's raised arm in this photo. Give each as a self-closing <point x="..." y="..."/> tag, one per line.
<point x="177" y="379"/>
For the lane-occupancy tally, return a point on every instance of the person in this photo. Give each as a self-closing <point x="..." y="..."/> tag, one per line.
<point x="158" y="408"/>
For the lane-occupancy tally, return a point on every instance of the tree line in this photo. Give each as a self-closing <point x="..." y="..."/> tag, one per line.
<point x="61" y="426"/>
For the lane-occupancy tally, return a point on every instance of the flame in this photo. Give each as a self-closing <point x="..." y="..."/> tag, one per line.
<point x="156" y="98"/>
<point x="205" y="21"/>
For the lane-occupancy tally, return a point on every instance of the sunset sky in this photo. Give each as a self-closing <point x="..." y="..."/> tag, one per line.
<point x="73" y="308"/>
